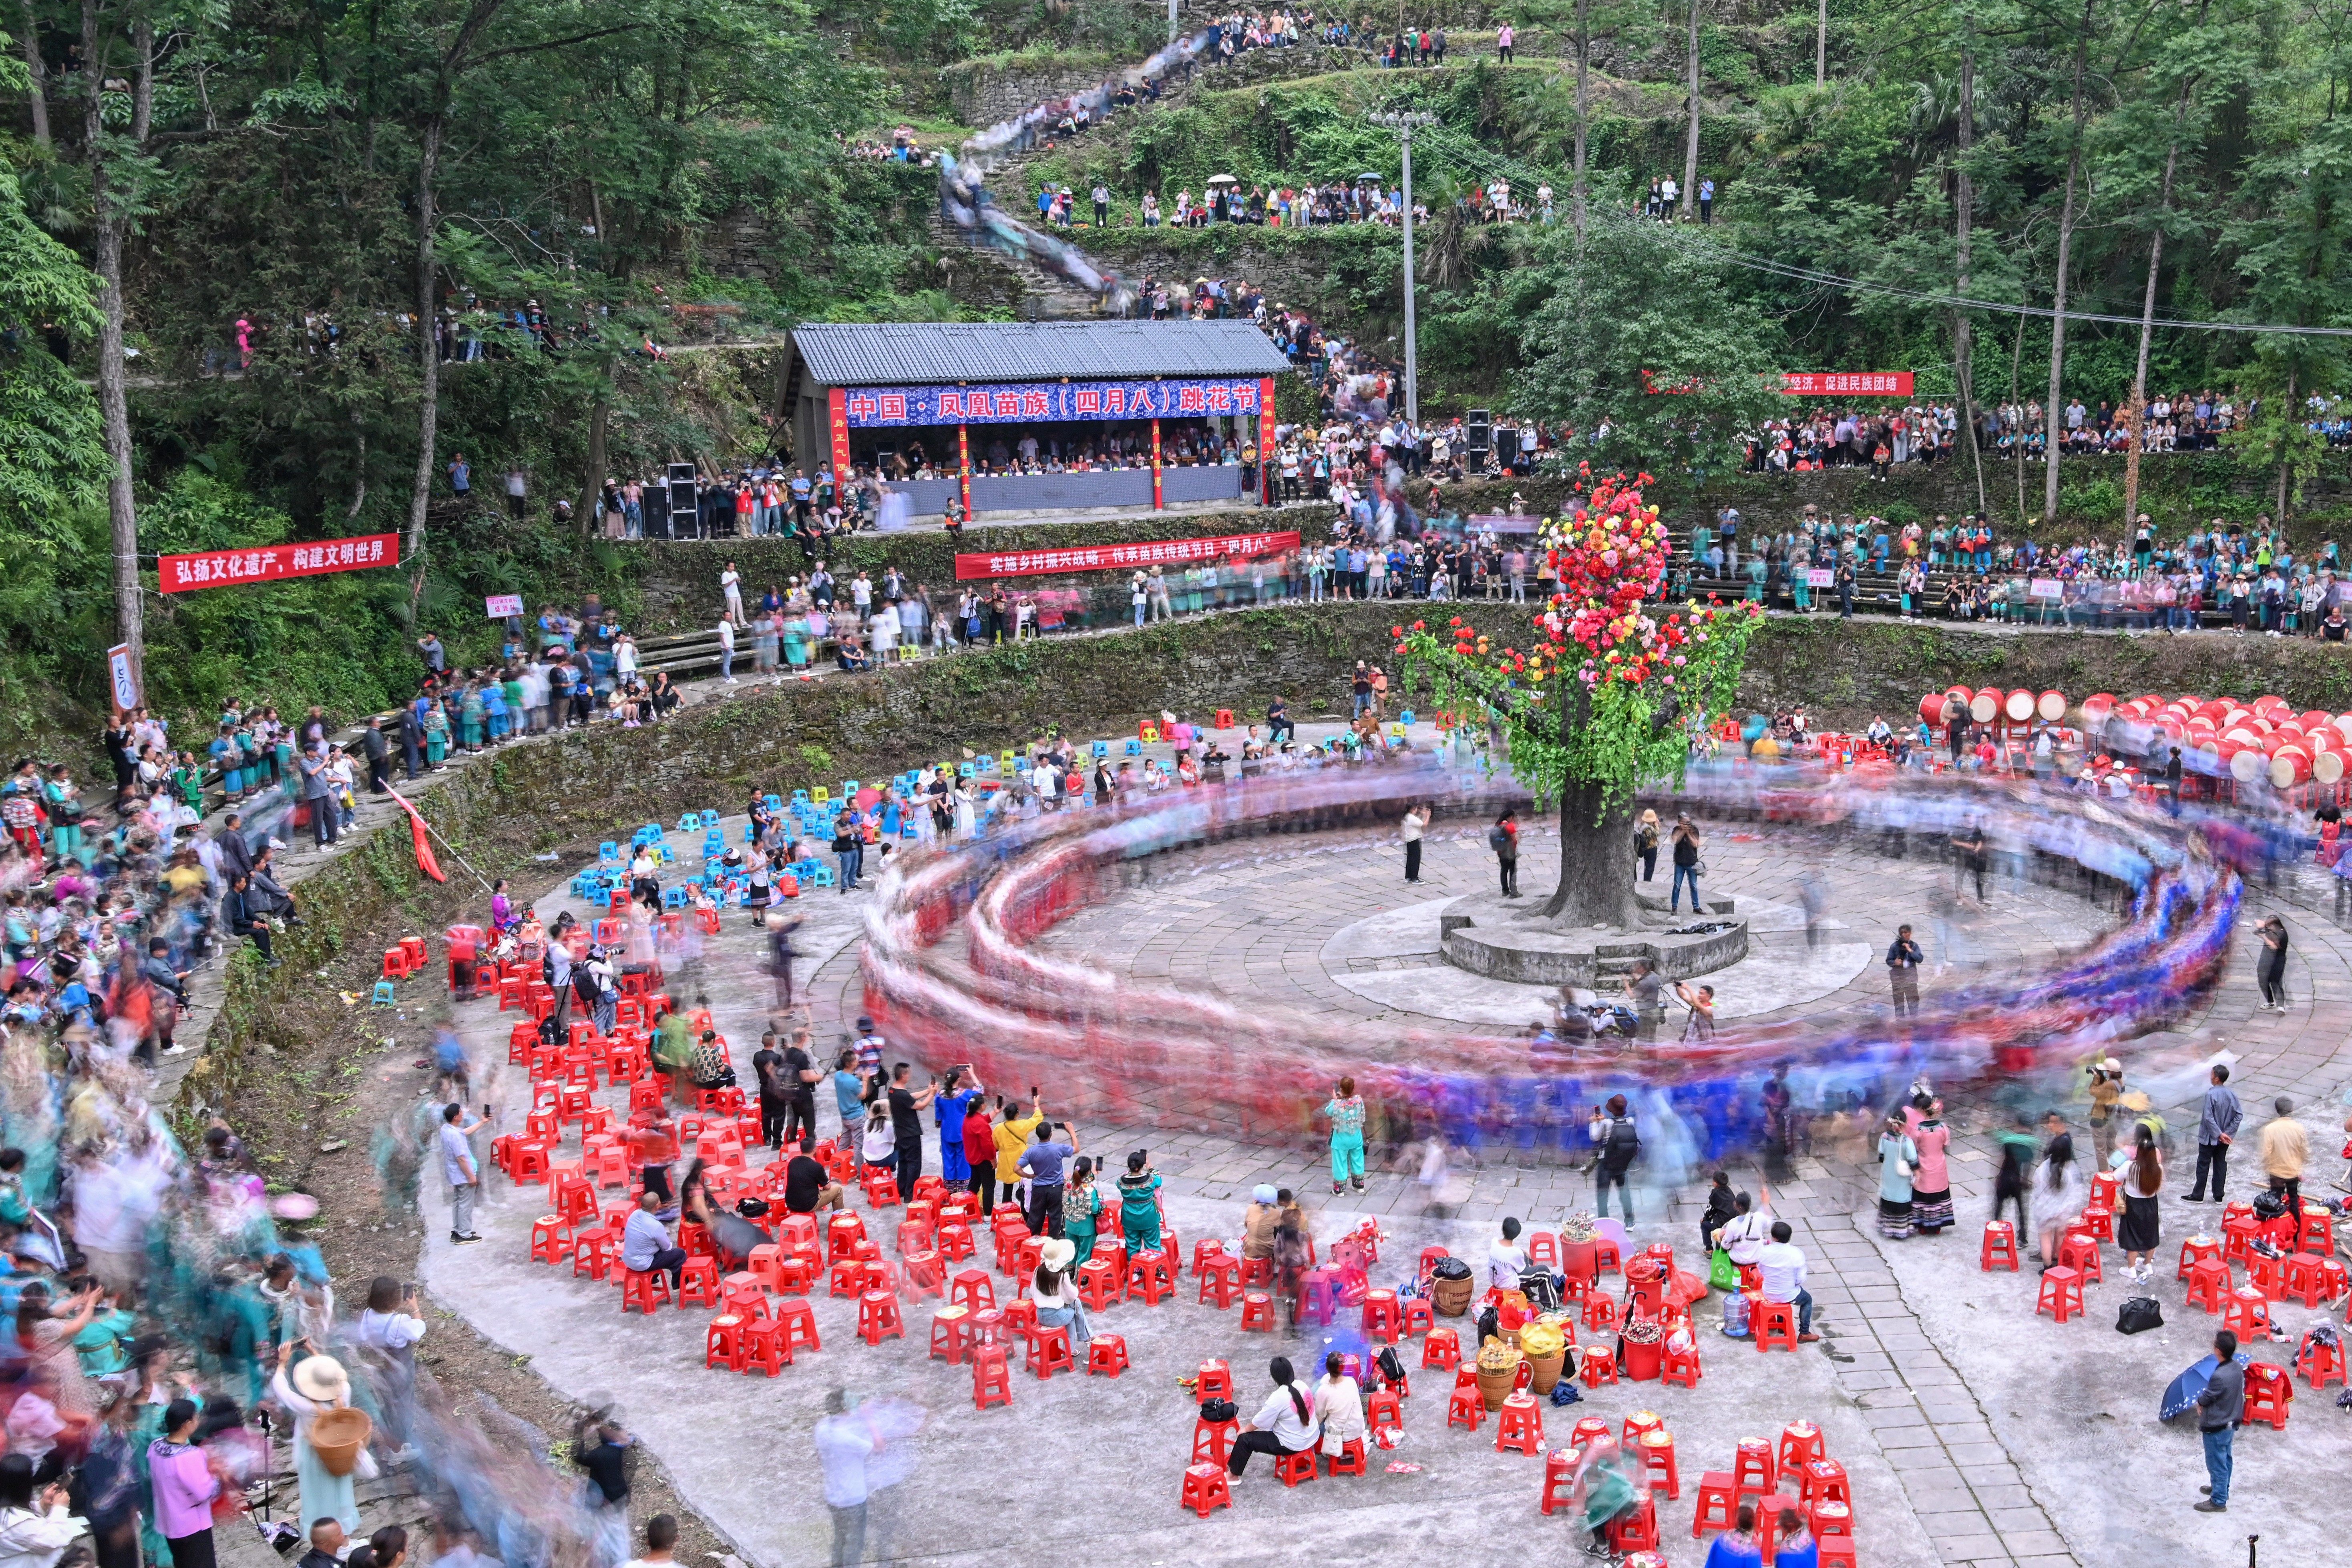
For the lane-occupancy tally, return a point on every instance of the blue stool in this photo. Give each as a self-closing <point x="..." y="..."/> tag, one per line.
<point x="710" y="819"/>
<point x="800" y="798"/>
<point x="714" y="843"/>
<point x="689" y="822"/>
<point x="1134" y="747"/>
<point x="1405" y="717"/>
<point x="673" y="898"/>
<point x="821" y="877"/>
<point x="1102" y="748"/>
<point x="772" y="802"/>
<point x="609" y="853"/>
<point x="385" y="997"/>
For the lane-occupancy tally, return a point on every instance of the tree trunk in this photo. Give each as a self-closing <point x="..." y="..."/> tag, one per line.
<point x="2286" y="450"/>
<point x="428" y="349"/>
<point x="109" y="220"/>
<point x="2147" y="301"/>
<point x="1596" y="863"/>
<point x="2051" y="414"/>
<point x="1690" y="143"/>
<point x="2017" y="447"/>
<point x="591" y="502"/>
<point x="1583" y="114"/>
<point x="1964" y="222"/>
<point x="38" y="92"/>
<point x="1822" y="46"/>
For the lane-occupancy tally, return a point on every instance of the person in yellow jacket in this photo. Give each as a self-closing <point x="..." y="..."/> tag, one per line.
<point x="1012" y="1135"/>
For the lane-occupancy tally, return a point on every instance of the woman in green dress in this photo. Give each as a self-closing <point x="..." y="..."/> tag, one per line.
<point x="1081" y="1211"/>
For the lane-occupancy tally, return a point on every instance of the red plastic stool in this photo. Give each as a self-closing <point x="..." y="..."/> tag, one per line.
<point x="2062" y="1294"/>
<point x="1600" y="1366"/>
<point x="743" y="1296"/>
<point x="1097" y="1284"/>
<point x="1599" y="1312"/>
<point x="1418" y="1317"/>
<point x="955" y="1242"/>
<point x="925" y="1273"/>
<point x="1443" y="1349"/>
<point x="1543" y="1247"/>
<point x="1638" y="1531"/>
<point x="1830" y="1518"/>
<point x="2269" y="1392"/>
<point x="1767" y="1524"/>
<point x="1220" y="1277"/>
<point x="2100" y="1221"/>
<point x="1772" y="1323"/>
<point x="1206" y="1486"/>
<point x="1751" y="1467"/>
<point x="1521" y="1427"/>
<point x="1256" y="1271"/>
<point x="1148" y="1276"/>
<point x="1837" y="1551"/>
<point x="1801" y="1444"/>
<point x="1107" y="1354"/>
<point x="1212" y="1440"/>
<point x="879" y="1317"/>
<point x="1049" y="1351"/>
<point x="2267" y="1275"/>
<point x="2317" y="1232"/>
<point x="2196" y="1249"/>
<point x="1351" y="1459"/>
<point x="991" y="1381"/>
<point x="645" y="1289"/>
<point x="1606" y="1258"/>
<point x="1467" y="1408"/>
<point x="2322" y="1364"/>
<point x="1294" y="1470"/>
<point x="849" y="1277"/>
<point x="1216" y="1381"/>
<point x="2304" y="1282"/>
<point x="1318" y="1301"/>
<point x="1718" y="1504"/>
<point x="1559" y="1464"/>
<point x="2080" y="1253"/>
<point x="764" y="1347"/>
<point x="1257" y="1311"/>
<point x="723" y="1342"/>
<point x="548" y="1242"/>
<point x="1824" y="1481"/>
<point x="1383" y="1407"/>
<point x="1383" y="1319"/>
<point x="1657" y="1451"/>
<point x="951" y="1335"/>
<point x="798" y="1320"/>
<point x="1999" y="1245"/>
<point x="594" y="1253"/>
<point x="1680" y="1368"/>
<point x="973" y="1288"/>
<point x="2208" y="1283"/>
<point x="2238" y="1233"/>
<point x="2245" y="1314"/>
<point x="841" y="1236"/>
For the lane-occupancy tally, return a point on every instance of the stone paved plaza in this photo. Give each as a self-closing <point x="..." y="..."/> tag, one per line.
<point x="1974" y="1431"/>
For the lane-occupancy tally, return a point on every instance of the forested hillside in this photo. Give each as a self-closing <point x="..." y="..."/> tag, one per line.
<point x="265" y="270"/>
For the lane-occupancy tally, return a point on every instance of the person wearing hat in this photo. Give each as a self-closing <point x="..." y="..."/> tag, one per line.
<point x="310" y="1388"/>
<point x="1056" y="1296"/>
<point x="2106" y="1088"/>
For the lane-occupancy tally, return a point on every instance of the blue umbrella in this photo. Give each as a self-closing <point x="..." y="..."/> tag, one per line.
<point x="2180" y="1393"/>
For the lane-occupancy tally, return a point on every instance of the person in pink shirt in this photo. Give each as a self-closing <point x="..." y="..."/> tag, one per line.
<point x="186" y="1483"/>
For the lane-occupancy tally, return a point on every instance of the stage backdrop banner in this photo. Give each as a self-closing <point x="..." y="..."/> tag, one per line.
<point x="1846" y="382"/>
<point x="222" y="568"/>
<point x="1113" y="557"/>
<point x="895" y="407"/>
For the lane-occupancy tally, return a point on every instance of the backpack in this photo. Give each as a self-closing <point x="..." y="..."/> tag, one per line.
<point x="1623" y="1144"/>
<point x="1496" y="840"/>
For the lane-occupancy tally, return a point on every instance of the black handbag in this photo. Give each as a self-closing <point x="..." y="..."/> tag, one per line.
<point x="2139" y="1314"/>
<point x="1219" y="1410"/>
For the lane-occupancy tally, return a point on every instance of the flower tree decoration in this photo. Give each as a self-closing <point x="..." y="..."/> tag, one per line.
<point x="1606" y="696"/>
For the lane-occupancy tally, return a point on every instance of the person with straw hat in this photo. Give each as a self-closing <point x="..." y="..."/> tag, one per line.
<point x="310" y="1388"/>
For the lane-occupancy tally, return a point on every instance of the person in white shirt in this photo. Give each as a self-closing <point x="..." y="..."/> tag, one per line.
<point x="457" y="1165"/>
<point x="1506" y="1259"/>
<point x="1784" y="1265"/>
<point x="1286" y="1423"/>
<point x="390" y="1330"/>
<point x="1339" y="1405"/>
<point x="727" y="650"/>
<point x="732" y="583"/>
<point x="1742" y="1235"/>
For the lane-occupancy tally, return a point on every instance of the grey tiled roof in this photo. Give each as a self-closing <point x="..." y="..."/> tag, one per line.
<point x="919" y="353"/>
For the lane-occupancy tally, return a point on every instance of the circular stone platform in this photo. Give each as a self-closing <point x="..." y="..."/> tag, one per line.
<point x="1506" y="939"/>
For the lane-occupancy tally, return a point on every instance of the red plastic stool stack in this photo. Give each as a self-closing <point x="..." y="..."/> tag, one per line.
<point x="2080" y="1253"/>
<point x="2195" y="1250"/>
<point x="1559" y="1464"/>
<point x="992" y="1381"/>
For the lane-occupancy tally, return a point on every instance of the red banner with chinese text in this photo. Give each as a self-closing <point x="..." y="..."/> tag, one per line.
<point x="1846" y="382"/>
<point x="1117" y="557"/>
<point x="267" y="564"/>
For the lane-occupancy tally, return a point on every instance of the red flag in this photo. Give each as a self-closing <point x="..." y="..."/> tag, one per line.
<point x="425" y="861"/>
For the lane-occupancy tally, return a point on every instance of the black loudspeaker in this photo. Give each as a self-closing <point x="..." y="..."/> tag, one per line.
<point x="1481" y="431"/>
<point x="685" y="522"/>
<point x="1507" y="445"/>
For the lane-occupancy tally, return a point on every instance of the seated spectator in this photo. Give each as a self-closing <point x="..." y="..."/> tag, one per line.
<point x="1783" y="1267"/>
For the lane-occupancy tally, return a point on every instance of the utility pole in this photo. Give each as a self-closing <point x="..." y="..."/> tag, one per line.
<point x="1174" y="22"/>
<point x="1404" y="123"/>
